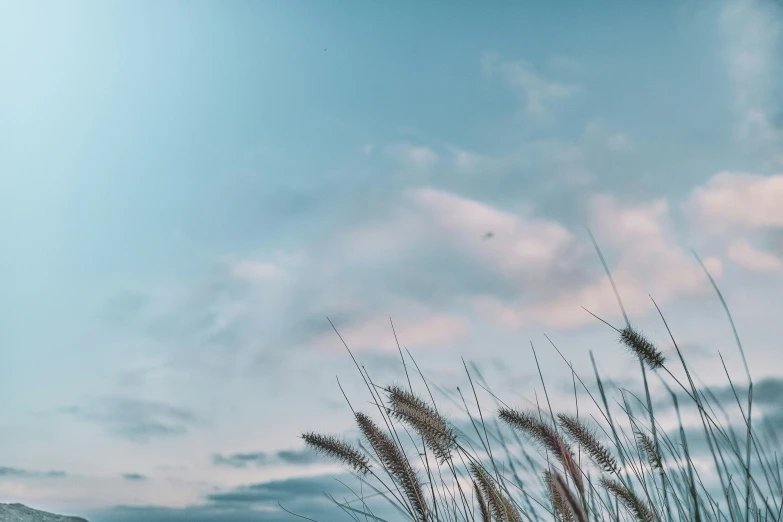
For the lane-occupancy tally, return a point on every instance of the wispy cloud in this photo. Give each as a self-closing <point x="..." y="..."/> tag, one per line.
<point x="737" y="200"/>
<point x="277" y="490"/>
<point x="418" y="157"/>
<point x="242" y="460"/>
<point x="137" y="420"/>
<point x="304" y="495"/>
<point x="134" y="477"/>
<point x="753" y="35"/>
<point x="751" y="258"/>
<point x="536" y="91"/>
<point x="742" y="209"/>
<point x="649" y="257"/>
<point x="26" y="473"/>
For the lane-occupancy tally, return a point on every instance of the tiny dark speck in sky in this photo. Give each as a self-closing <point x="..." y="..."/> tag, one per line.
<point x="489" y="235"/>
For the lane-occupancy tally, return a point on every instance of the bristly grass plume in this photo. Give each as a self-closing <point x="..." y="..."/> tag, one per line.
<point x="436" y="431"/>
<point x="339" y="450"/>
<point x="642" y="347"/>
<point x="582" y="435"/>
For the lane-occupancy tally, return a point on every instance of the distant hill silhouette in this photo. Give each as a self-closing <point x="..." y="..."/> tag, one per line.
<point x="22" y="513"/>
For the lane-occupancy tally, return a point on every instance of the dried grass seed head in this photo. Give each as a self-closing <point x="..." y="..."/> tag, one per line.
<point x="642" y="347"/>
<point x="337" y="449"/>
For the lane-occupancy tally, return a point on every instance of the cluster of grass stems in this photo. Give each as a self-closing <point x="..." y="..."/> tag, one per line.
<point x="563" y="467"/>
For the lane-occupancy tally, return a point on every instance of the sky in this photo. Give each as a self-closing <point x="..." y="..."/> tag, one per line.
<point x="189" y="189"/>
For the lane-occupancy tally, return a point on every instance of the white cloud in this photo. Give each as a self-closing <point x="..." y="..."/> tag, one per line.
<point x="753" y="34"/>
<point x="521" y="245"/>
<point x="539" y="259"/>
<point x="751" y="258"/>
<point x="752" y="31"/>
<point x="736" y="201"/>
<point x="417" y="157"/>
<point x="650" y="261"/>
<point x="537" y="91"/>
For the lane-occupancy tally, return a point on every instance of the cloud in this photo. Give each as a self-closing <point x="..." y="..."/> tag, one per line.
<point x="536" y="91"/>
<point x="26" y="473"/>
<point x="254" y="502"/>
<point x="552" y="172"/>
<point x="752" y="30"/>
<point x="751" y="258"/>
<point x="423" y="260"/>
<point x="524" y="246"/>
<point x="753" y="34"/>
<point x="277" y="490"/>
<point x="256" y="271"/>
<point x="134" y="477"/>
<point x="649" y="260"/>
<point x="242" y="460"/>
<point x="305" y="456"/>
<point x="741" y="210"/>
<point x="469" y="162"/>
<point x="137" y="420"/>
<point x="732" y="201"/>
<point x="413" y="156"/>
<point x="766" y="392"/>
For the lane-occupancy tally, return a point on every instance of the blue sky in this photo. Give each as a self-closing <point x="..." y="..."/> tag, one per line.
<point x="188" y="189"/>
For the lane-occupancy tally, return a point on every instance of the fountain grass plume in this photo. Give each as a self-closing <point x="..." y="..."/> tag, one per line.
<point x="434" y="429"/>
<point x="650" y="451"/>
<point x="338" y="449"/>
<point x="396" y="463"/>
<point x="639" y="345"/>
<point x="560" y="505"/>
<point x="636" y="506"/>
<point x="583" y="436"/>
<point x="483" y="508"/>
<point x="502" y="510"/>
<point x="569" y="498"/>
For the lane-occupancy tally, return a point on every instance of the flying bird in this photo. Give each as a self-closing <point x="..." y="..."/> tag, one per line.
<point x="489" y="235"/>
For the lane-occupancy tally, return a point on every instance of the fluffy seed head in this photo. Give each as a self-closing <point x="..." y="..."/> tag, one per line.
<point x="337" y="449"/>
<point x="582" y="435"/>
<point x="395" y="463"/>
<point x="642" y="348"/>
<point x="633" y="503"/>
<point x="483" y="509"/>
<point x="569" y="498"/>
<point x="650" y="450"/>
<point x="502" y="510"/>
<point x="434" y="429"/>
<point x="557" y="498"/>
